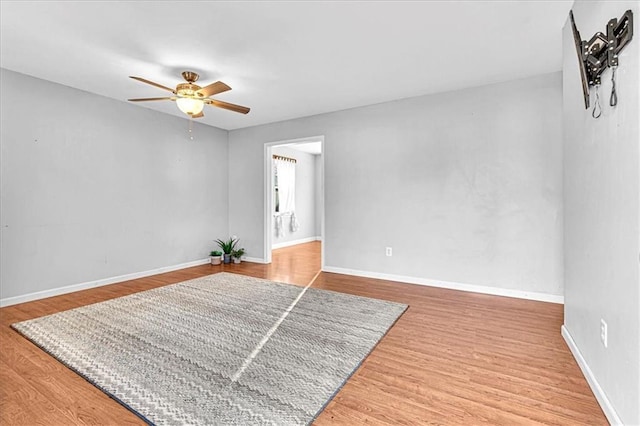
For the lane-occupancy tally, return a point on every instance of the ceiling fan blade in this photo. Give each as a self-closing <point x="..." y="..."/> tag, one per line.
<point x="151" y="99"/>
<point x="152" y="83"/>
<point x="227" y="105"/>
<point x="213" y="89"/>
<point x="200" y="114"/>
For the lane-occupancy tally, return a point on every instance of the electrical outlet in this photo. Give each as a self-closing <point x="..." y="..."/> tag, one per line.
<point x="603" y="332"/>
<point x="389" y="251"/>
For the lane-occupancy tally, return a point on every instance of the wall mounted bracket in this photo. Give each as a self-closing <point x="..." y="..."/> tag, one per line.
<point x="602" y="50"/>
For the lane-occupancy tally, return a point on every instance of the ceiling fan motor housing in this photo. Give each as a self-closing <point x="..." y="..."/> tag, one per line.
<point x="188" y="90"/>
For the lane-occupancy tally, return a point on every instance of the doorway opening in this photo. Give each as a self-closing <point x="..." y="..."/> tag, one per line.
<point x="294" y="195"/>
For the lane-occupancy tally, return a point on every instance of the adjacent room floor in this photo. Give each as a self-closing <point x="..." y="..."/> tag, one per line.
<point x="452" y="358"/>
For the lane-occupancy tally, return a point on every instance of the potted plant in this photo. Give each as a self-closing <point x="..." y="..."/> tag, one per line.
<point x="227" y="246"/>
<point x="237" y="255"/>
<point x="216" y="257"/>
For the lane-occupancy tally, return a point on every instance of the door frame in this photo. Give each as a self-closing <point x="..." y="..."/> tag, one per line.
<point x="268" y="185"/>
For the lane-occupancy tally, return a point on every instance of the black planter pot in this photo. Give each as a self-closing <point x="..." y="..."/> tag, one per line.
<point x="227" y="258"/>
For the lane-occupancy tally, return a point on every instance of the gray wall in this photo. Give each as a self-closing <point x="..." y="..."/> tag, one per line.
<point x="305" y="196"/>
<point x="94" y="188"/>
<point x="602" y="209"/>
<point x="465" y="186"/>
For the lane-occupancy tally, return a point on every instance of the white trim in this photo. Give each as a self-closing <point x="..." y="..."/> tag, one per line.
<point x="474" y="288"/>
<point x="8" y="301"/>
<point x="268" y="202"/>
<point x="296" y="242"/>
<point x="322" y="206"/>
<point x="268" y="208"/>
<point x="253" y="259"/>
<point x="601" y="397"/>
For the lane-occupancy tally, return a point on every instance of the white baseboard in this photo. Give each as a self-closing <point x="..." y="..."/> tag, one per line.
<point x="496" y="291"/>
<point x="295" y="242"/>
<point x="8" y="301"/>
<point x="253" y="259"/>
<point x="601" y="397"/>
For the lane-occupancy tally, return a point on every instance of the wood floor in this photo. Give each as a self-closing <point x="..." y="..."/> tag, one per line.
<point x="452" y="358"/>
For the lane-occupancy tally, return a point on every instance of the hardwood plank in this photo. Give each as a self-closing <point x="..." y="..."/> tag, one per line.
<point x="61" y="386"/>
<point x="452" y="358"/>
<point x="22" y="404"/>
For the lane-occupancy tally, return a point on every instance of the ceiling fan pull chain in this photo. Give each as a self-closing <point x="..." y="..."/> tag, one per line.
<point x="613" y="100"/>
<point x="190" y="128"/>
<point x="597" y="109"/>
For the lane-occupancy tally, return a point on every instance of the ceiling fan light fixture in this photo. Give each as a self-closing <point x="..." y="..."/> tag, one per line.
<point x="190" y="106"/>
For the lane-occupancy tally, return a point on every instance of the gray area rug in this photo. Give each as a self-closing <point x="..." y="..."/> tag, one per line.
<point x="222" y="349"/>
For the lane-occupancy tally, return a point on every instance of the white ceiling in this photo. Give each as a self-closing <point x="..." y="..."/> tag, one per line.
<point x="282" y="59"/>
<point x="314" y="148"/>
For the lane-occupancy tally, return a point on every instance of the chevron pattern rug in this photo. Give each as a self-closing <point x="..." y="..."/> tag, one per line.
<point x="222" y="349"/>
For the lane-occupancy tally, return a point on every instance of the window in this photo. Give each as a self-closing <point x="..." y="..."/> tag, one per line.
<point x="284" y="184"/>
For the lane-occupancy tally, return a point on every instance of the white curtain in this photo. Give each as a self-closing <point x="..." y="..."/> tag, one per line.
<point x="286" y="173"/>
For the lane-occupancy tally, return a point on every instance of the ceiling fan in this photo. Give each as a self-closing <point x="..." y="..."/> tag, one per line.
<point x="192" y="98"/>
